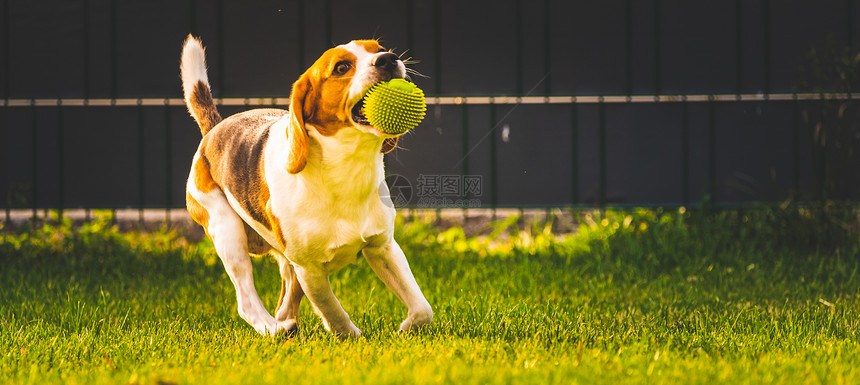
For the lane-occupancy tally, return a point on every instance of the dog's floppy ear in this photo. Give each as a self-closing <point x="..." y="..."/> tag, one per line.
<point x="297" y="136"/>
<point x="388" y="145"/>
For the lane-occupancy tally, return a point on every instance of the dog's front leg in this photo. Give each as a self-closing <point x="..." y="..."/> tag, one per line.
<point x="314" y="281"/>
<point x="389" y="263"/>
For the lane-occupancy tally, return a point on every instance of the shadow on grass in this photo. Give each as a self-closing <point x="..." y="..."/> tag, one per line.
<point x="77" y="278"/>
<point x="646" y="266"/>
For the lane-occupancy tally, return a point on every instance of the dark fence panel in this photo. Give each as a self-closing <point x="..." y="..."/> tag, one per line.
<point x="111" y="48"/>
<point x="531" y="155"/>
<point x="763" y="146"/>
<point x="588" y="50"/>
<point x="644" y="158"/>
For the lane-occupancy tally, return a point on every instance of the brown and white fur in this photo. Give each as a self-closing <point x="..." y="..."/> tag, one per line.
<point x="306" y="185"/>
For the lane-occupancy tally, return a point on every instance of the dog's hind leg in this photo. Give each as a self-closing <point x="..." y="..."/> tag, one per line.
<point x="287" y="313"/>
<point x="227" y="231"/>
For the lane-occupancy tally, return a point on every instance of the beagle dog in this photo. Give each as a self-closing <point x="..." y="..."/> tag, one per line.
<point x="306" y="185"/>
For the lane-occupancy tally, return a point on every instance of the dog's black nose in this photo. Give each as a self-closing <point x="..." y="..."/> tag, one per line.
<point x="386" y="61"/>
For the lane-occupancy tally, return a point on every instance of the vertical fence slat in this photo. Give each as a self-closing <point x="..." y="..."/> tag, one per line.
<point x="814" y="149"/>
<point x="7" y="40"/>
<point x="795" y="141"/>
<point x="601" y="151"/>
<point x="739" y="46"/>
<point x="34" y="159"/>
<point x="192" y="17"/>
<point x="113" y="49"/>
<point x="300" y="34"/>
<point x="60" y="164"/>
<point x="493" y="160"/>
<point x="114" y="91"/>
<point x="168" y="162"/>
<point x="519" y="47"/>
<point x="628" y="40"/>
<point x="685" y="152"/>
<point x="464" y="141"/>
<point x="86" y="29"/>
<point x="219" y="33"/>
<point x="712" y="162"/>
<point x="574" y="153"/>
<point x="86" y="46"/>
<point x="547" y="51"/>
<point x="410" y="26"/>
<point x="766" y="24"/>
<point x="329" y="42"/>
<point x="657" y="63"/>
<point x="7" y="198"/>
<point x="141" y="162"/>
<point x="437" y="46"/>
<point x="849" y="23"/>
<point x="7" y="50"/>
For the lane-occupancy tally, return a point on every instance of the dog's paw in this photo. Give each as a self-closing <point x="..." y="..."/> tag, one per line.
<point x="416" y="320"/>
<point x="288" y="329"/>
<point x="350" y="333"/>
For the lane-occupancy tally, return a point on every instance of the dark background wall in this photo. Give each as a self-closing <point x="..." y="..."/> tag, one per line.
<point x="556" y="154"/>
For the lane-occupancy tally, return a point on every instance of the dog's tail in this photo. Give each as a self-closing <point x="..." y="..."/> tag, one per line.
<point x="195" y="84"/>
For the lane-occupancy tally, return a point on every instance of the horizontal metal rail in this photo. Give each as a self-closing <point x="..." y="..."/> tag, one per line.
<point x="446" y="100"/>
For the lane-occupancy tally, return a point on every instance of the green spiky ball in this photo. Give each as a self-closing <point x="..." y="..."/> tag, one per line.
<point x="395" y="106"/>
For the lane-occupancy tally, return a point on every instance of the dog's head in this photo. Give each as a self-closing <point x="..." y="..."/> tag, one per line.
<point x="327" y="96"/>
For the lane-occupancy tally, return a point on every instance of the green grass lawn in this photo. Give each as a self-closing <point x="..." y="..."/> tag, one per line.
<point x="741" y="296"/>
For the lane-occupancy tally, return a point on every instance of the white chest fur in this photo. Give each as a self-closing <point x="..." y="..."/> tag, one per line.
<point x="333" y="208"/>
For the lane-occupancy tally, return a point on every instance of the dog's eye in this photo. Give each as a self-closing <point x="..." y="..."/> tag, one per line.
<point x="342" y="68"/>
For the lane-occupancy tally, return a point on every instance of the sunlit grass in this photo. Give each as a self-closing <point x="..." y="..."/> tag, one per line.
<point x="641" y="296"/>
